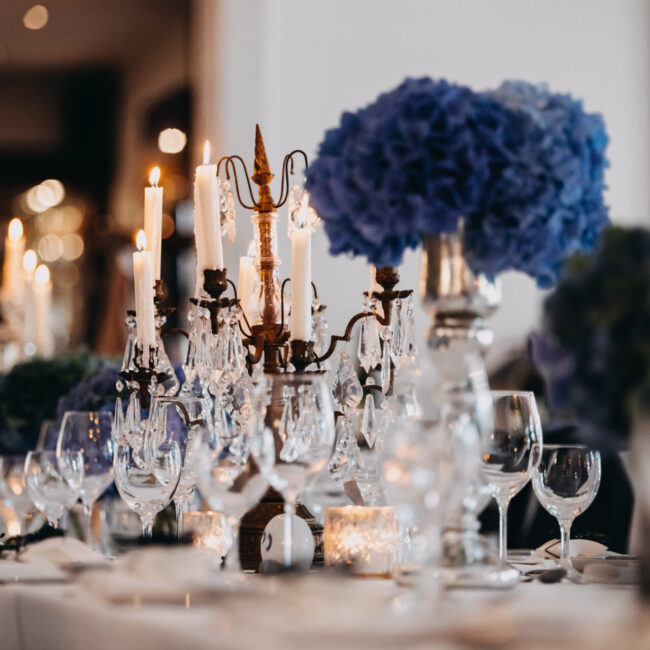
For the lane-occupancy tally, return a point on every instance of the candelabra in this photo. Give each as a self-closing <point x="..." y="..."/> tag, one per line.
<point x="228" y="347"/>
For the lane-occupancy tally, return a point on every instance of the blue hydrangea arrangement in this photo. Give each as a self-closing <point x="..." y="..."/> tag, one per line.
<point x="522" y="166"/>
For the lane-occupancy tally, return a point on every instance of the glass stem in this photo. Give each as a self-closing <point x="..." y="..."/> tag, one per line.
<point x="233" y="564"/>
<point x="147" y="528"/>
<point x="88" y="524"/>
<point x="503" y="528"/>
<point x="565" y="538"/>
<point x="289" y="509"/>
<point x="179" y="507"/>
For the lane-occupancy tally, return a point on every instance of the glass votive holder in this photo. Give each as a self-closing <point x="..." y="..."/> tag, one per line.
<point x="208" y="530"/>
<point x="366" y="538"/>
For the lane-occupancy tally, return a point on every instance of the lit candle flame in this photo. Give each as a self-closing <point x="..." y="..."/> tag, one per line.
<point x="154" y="177"/>
<point x="15" y="229"/>
<point x="141" y="240"/>
<point x="30" y="261"/>
<point x="206" y="152"/>
<point x="42" y="276"/>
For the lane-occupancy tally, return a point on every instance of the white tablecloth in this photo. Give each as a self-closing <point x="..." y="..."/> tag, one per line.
<point x="354" y="614"/>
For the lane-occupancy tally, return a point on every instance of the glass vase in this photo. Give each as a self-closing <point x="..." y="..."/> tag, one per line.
<point x="454" y="397"/>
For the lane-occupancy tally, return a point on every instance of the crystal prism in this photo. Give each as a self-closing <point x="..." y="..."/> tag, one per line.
<point x="369" y="427"/>
<point x="347" y="389"/>
<point x="345" y="460"/>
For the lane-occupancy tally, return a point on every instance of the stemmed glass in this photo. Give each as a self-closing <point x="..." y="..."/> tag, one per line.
<point x="566" y="482"/>
<point x="510" y="452"/>
<point x="91" y="433"/>
<point x="184" y="421"/>
<point x="54" y="481"/>
<point x="304" y="444"/>
<point x="13" y="489"/>
<point x="147" y="478"/>
<point x="234" y="465"/>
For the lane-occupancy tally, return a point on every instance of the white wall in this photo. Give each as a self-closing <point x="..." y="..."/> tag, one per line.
<point x="294" y="66"/>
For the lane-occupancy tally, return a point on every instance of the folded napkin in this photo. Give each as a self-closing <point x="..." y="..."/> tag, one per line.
<point x="578" y="548"/>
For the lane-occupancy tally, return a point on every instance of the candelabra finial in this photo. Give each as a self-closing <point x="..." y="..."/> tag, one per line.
<point x="262" y="175"/>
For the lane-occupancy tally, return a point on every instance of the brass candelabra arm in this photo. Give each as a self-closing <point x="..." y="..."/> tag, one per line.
<point x="287" y="172"/>
<point x="261" y="176"/>
<point x="346" y="336"/>
<point x="231" y="168"/>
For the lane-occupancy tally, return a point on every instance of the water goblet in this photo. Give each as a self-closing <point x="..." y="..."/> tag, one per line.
<point x="566" y="482"/>
<point x="234" y="466"/>
<point x="147" y="478"/>
<point x="510" y="452"/>
<point x="304" y="442"/>
<point x="91" y="433"/>
<point x="54" y="481"/>
<point x="184" y="421"/>
<point x="13" y="489"/>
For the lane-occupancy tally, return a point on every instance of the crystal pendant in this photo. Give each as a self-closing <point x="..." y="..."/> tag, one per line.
<point x="128" y="361"/>
<point x="369" y="424"/>
<point x="300" y="214"/>
<point x="347" y="389"/>
<point x="385" y="361"/>
<point x="369" y="351"/>
<point x="286" y="421"/>
<point x="397" y="327"/>
<point x="170" y="383"/>
<point x="410" y="347"/>
<point x="231" y="217"/>
<point x="119" y="426"/>
<point x="345" y="460"/>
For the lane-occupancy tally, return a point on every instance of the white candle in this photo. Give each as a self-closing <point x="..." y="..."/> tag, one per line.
<point x="153" y="200"/>
<point x="43" y="338"/>
<point x="207" y="219"/>
<point x="301" y="293"/>
<point x="246" y="282"/>
<point x="30" y="261"/>
<point x="12" y="273"/>
<point x="143" y="278"/>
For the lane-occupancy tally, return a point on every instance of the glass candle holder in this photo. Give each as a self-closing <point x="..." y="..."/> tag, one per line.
<point x="208" y="530"/>
<point x="368" y="539"/>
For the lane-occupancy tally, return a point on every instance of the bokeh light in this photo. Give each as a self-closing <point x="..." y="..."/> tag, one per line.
<point x="50" y="248"/>
<point x="171" y="140"/>
<point x="36" y="17"/>
<point x="73" y="246"/>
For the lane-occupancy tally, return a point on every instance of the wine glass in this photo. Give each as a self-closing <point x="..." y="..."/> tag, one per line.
<point x="234" y="464"/>
<point x="510" y="452"/>
<point x="147" y="478"/>
<point x="304" y="442"/>
<point x="184" y="421"/>
<point x="566" y="482"/>
<point x="91" y="433"/>
<point x="54" y="481"/>
<point x="13" y="489"/>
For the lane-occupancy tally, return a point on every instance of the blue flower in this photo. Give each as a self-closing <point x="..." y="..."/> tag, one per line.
<point x="522" y="166"/>
<point x="547" y="201"/>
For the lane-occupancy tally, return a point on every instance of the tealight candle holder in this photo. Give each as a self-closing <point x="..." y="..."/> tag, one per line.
<point x="208" y="530"/>
<point x="368" y="539"/>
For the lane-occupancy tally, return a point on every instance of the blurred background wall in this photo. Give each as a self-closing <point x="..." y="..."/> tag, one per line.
<point x="86" y="96"/>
